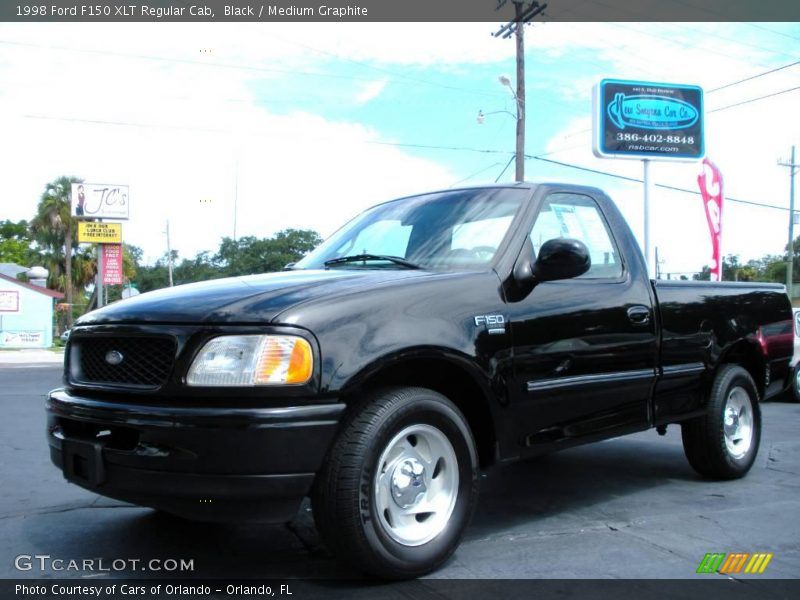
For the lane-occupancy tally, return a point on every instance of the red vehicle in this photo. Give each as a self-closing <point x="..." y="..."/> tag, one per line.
<point x="777" y="339"/>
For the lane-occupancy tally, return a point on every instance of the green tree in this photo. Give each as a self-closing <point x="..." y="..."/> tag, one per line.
<point x="249" y="255"/>
<point x="245" y="256"/>
<point x="154" y="277"/>
<point x="773" y="268"/>
<point x="16" y="242"/>
<point x="54" y="229"/>
<point x="733" y="270"/>
<point x="199" y="268"/>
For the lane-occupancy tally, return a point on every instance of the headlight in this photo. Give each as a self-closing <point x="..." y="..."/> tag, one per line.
<point x="242" y="360"/>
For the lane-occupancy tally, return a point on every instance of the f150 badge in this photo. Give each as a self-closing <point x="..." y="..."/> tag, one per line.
<point x="494" y="324"/>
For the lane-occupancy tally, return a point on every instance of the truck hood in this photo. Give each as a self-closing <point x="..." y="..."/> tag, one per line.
<point x="251" y="299"/>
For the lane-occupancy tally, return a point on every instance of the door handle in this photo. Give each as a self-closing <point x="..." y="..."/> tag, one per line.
<point x="639" y="315"/>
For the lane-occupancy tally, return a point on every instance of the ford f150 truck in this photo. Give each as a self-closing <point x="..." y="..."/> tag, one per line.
<point x="430" y="337"/>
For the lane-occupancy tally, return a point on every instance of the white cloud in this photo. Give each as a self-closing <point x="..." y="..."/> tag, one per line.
<point x="175" y="132"/>
<point x="370" y="91"/>
<point x="745" y="142"/>
<point x="182" y="97"/>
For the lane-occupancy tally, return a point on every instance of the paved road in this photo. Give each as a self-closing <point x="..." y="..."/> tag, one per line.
<point x="626" y="508"/>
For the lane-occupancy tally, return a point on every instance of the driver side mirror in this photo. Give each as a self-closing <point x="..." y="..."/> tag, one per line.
<point x="561" y="258"/>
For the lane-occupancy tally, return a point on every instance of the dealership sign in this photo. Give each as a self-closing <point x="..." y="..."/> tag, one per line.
<point x="710" y="182"/>
<point x="100" y="201"/>
<point x="642" y="120"/>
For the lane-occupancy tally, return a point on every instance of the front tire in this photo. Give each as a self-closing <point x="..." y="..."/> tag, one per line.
<point x="723" y="443"/>
<point x="399" y="485"/>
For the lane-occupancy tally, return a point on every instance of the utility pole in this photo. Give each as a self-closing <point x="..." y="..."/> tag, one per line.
<point x="524" y="11"/>
<point x="235" y="195"/>
<point x="520" y="94"/>
<point x="169" y="255"/>
<point x="790" y="268"/>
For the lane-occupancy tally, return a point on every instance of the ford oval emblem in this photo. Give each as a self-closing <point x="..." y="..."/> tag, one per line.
<point x="651" y="112"/>
<point x="114" y="358"/>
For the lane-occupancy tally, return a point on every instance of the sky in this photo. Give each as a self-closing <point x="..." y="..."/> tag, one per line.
<point x="250" y="128"/>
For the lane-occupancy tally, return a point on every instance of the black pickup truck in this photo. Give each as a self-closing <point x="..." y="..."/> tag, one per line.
<point x="430" y="337"/>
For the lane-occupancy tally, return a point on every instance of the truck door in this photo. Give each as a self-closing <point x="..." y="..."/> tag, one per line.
<point x="584" y="348"/>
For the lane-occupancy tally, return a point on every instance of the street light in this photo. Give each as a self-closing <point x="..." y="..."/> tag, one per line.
<point x="481" y="118"/>
<point x="519" y="153"/>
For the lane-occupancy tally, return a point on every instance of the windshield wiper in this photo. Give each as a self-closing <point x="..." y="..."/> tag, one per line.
<point x="365" y="257"/>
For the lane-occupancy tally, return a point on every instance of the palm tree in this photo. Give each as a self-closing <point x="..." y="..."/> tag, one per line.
<point x="55" y="230"/>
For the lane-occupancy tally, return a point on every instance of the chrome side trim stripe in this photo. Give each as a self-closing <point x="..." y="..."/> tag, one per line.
<point x="683" y="369"/>
<point x="561" y="382"/>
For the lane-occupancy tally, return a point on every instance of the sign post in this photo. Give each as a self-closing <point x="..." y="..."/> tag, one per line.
<point x="91" y="203"/>
<point x="648" y="121"/>
<point x="98" y="284"/>
<point x="648" y="195"/>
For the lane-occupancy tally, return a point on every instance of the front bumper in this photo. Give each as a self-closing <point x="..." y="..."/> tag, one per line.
<point x="211" y="464"/>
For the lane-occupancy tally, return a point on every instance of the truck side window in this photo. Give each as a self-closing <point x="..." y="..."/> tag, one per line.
<point x="577" y="216"/>
<point x="484" y="235"/>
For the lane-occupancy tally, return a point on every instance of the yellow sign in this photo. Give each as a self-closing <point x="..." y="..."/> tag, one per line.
<point x="99" y="233"/>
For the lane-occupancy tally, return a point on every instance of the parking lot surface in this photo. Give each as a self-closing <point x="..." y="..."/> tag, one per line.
<point x="626" y="508"/>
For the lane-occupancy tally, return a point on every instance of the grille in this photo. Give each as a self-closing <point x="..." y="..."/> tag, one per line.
<point x="146" y="361"/>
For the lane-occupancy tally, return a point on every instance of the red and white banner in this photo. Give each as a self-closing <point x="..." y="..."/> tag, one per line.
<point x="112" y="264"/>
<point x="710" y="182"/>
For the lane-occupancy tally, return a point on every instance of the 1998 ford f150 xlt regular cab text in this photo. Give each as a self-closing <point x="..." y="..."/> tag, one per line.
<point x="428" y="338"/>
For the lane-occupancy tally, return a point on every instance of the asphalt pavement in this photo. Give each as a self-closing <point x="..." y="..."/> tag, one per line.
<point x="626" y="508"/>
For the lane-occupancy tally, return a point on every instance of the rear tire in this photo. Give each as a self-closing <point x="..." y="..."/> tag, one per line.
<point x="723" y="443"/>
<point x="794" y="394"/>
<point x="399" y="485"/>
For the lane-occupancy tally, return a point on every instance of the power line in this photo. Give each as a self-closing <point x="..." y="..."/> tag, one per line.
<point x="383" y="70"/>
<point x="540" y="157"/>
<point x="508" y="164"/>
<point x="188" y="61"/>
<point x="225" y="131"/>
<point x="753" y="100"/>
<point x="222" y="65"/>
<point x="711" y="92"/>
<point x="727" y="85"/>
<point x="680" y="43"/>
<point x="643" y="15"/>
<point x="661" y="185"/>
<point x="468" y="177"/>
<point x="735" y="41"/>
<point x="773" y="31"/>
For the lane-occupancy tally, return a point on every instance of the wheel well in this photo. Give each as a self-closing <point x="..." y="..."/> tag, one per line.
<point x="748" y="356"/>
<point x="453" y="382"/>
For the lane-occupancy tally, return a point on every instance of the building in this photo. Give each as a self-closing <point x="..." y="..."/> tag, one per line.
<point x="11" y="269"/>
<point x="26" y="314"/>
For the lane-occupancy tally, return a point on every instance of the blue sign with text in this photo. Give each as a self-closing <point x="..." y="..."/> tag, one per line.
<point x="635" y="119"/>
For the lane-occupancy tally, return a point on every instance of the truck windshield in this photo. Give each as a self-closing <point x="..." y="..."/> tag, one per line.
<point x="460" y="229"/>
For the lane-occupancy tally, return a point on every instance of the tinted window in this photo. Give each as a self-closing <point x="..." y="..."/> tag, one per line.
<point x="578" y="217"/>
<point x="443" y="231"/>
